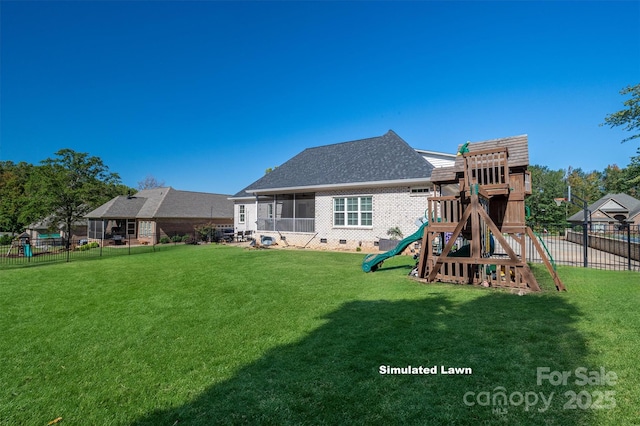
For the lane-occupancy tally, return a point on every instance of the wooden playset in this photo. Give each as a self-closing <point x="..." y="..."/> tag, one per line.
<point x="477" y="225"/>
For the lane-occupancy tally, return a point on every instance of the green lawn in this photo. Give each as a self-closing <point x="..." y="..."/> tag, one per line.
<point x="226" y="335"/>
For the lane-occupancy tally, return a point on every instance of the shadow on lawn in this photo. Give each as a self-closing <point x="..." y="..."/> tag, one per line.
<point x="332" y="375"/>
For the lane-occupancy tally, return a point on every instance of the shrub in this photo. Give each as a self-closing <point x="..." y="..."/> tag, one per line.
<point x="187" y="239"/>
<point x="395" y="233"/>
<point x="176" y="239"/>
<point x="206" y="231"/>
<point x="5" y="240"/>
<point x="165" y="240"/>
<point x="88" y="246"/>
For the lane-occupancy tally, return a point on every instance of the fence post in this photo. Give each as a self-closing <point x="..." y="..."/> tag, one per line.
<point x="628" y="246"/>
<point x="585" y="242"/>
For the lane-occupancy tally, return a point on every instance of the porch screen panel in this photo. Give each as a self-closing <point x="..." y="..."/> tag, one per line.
<point x="287" y="213"/>
<point x="96" y="229"/>
<point x="305" y="213"/>
<point x="265" y="213"/>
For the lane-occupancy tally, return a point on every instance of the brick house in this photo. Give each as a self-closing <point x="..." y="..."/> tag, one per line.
<point x="610" y="210"/>
<point x="342" y="195"/>
<point x="151" y="214"/>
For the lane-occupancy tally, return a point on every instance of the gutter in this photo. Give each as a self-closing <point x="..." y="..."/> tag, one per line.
<point x="350" y="185"/>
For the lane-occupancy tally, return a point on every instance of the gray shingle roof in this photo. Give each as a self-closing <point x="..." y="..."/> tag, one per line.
<point x="165" y="203"/>
<point x="185" y="204"/>
<point x="632" y="204"/>
<point x="377" y="159"/>
<point x="120" y="207"/>
<point x="517" y="146"/>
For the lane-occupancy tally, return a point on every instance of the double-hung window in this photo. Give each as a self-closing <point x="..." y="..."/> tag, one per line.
<point x="241" y="215"/>
<point x="353" y="211"/>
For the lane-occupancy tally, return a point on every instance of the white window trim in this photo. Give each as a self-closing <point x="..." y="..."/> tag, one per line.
<point x="242" y="213"/>
<point x="345" y="212"/>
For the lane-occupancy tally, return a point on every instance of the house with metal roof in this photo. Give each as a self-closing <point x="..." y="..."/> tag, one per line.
<point x="345" y="195"/>
<point x="151" y="214"/>
<point x="612" y="209"/>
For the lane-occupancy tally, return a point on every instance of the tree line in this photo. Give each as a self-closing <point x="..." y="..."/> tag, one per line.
<point x="60" y="190"/>
<point x="548" y="184"/>
<point x="66" y="187"/>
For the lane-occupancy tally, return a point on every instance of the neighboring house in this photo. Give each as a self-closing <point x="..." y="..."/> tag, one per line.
<point x="154" y="213"/>
<point x="46" y="229"/>
<point x="612" y="209"/>
<point x="342" y="195"/>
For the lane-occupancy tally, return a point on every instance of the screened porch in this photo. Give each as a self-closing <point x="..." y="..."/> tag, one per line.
<point x="287" y="213"/>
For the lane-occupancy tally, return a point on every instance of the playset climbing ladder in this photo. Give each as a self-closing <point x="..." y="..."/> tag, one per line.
<point x="487" y="211"/>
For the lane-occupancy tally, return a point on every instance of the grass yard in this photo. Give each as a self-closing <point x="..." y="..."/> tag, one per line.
<point x="202" y="335"/>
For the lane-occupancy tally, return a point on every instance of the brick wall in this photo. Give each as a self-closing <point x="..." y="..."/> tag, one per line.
<point x="391" y="207"/>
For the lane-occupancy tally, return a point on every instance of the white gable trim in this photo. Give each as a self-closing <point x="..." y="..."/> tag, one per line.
<point x="437" y="159"/>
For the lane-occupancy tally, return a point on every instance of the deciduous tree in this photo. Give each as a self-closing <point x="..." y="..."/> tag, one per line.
<point x="14" y="200"/>
<point x="630" y="116"/>
<point x="69" y="186"/>
<point x="149" y="182"/>
<point x="546" y="185"/>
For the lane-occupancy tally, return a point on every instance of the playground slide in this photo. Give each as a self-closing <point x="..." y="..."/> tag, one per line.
<point x="373" y="261"/>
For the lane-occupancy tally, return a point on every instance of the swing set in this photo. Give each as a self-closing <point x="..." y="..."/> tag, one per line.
<point x="486" y="209"/>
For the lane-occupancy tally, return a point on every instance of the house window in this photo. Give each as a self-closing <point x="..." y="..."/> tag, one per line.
<point x="353" y="211"/>
<point x="419" y="190"/>
<point x="338" y="211"/>
<point x="242" y="214"/>
<point x="145" y="229"/>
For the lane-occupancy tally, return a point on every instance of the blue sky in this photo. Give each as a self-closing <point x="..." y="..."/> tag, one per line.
<point x="206" y="95"/>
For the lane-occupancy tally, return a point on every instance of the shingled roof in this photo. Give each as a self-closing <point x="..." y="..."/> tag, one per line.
<point x="517" y="147"/>
<point x="165" y="203"/>
<point x="627" y="202"/>
<point x="378" y="160"/>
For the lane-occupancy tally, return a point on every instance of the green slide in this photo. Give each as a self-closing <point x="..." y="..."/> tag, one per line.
<point x="373" y="261"/>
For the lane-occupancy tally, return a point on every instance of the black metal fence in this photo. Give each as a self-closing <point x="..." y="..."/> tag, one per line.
<point x="600" y="246"/>
<point x="61" y="250"/>
<point x="613" y="247"/>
